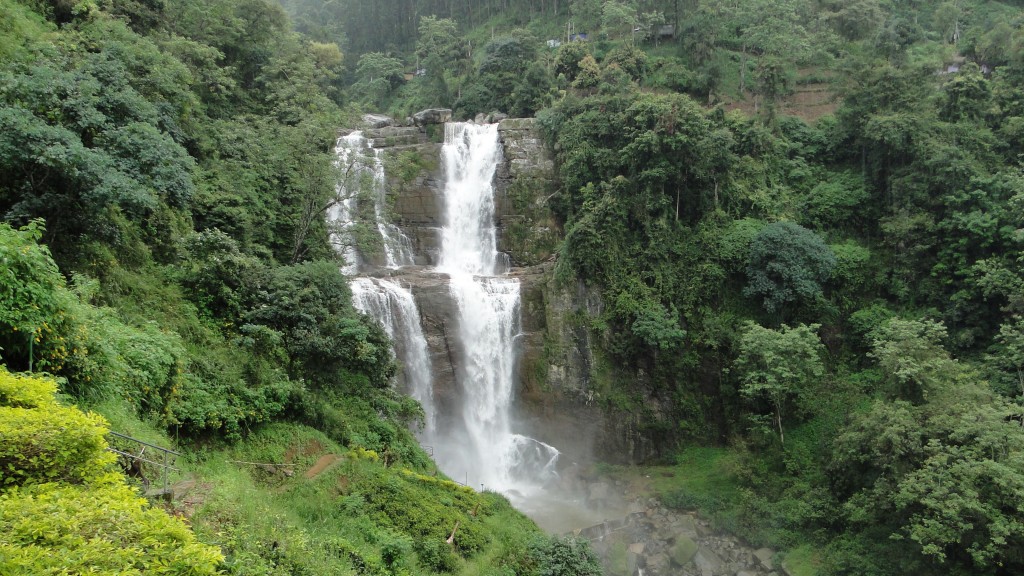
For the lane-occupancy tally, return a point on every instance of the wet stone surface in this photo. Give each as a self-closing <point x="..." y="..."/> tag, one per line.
<point x="655" y="541"/>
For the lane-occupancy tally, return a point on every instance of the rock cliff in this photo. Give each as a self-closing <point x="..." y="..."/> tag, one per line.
<point x="561" y="398"/>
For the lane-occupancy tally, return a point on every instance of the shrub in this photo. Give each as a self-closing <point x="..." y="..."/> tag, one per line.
<point x="62" y="509"/>
<point x="437" y="555"/>
<point x="105" y="529"/>
<point x="43" y="441"/>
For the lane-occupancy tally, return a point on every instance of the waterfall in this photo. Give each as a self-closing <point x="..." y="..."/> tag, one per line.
<point x="363" y="182"/>
<point x="394" y="307"/>
<point x="490" y="454"/>
<point x="474" y="435"/>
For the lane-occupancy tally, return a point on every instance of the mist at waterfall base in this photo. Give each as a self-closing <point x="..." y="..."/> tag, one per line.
<point x="478" y="440"/>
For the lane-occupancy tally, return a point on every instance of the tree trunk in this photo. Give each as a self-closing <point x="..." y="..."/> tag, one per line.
<point x="778" y="422"/>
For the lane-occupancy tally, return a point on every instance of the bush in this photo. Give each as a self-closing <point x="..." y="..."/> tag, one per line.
<point x="556" y="556"/>
<point x="62" y="509"/>
<point x="43" y="441"/>
<point x="105" y="529"/>
<point x="437" y="555"/>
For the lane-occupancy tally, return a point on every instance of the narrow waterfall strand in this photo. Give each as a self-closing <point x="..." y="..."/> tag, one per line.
<point x="395" y="308"/>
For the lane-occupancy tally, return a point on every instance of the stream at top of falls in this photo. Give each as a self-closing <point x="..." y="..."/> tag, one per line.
<point x="477" y="440"/>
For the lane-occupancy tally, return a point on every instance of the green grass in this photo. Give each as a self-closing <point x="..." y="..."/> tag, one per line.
<point x="802" y="561"/>
<point x="705" y="476"/>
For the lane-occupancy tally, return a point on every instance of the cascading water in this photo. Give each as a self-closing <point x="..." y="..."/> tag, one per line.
<point x="363" y="180"/>
<point x="388" y="302"/>
<point x="490" y="454"/>
<point x="394" y="307"/>
<point x="476" y="442"/>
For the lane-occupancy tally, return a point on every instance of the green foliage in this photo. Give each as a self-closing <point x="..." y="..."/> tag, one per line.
<point x="910" y="352"/>
<point x="630" y="59"/>
<point x="379" y="74"/>
<point x="104" y="529"/>
<point x="218" y="276"/>
<point x="788" y="263"/>
<point x="780" y="366"/>
<point x="46" y="442"/>
<point x="62" y="510"/>
<point x="568" y="58"/>
<point x="836" y="202"/>
<point x="555" y="556"/>
<point x="310" y="305"/>
<point x="28" y="293"/>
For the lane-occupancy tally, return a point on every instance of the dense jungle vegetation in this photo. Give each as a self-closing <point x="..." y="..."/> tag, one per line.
<point x="166" y="271"/>
<point x="827" y="293"/>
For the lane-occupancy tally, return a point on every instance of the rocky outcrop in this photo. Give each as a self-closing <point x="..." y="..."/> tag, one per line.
<point x="663" y="542"/>
<point x="524" y="183"/>
<point x="377" y="120"/>
<point x="432" y="116"/>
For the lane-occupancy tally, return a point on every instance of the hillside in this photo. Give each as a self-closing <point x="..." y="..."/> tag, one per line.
<point x="802" y="221"/>
<point x="166" y="269"/>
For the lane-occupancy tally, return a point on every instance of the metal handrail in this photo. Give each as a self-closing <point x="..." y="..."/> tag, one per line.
<point x="164" y="465"/>
<point x="137" y="457"/>
<point x="119" y="435"/>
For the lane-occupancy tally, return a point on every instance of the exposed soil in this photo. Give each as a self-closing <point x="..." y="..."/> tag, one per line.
<point x="322" y="464"/>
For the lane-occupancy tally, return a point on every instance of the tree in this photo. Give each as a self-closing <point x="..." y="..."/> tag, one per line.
<point x="586" y="14"/>
<point x="29" y="286"/>
<point x="379" y="74"/>
<point x="778" y="366"/>
<point x="440" y="50"/>
<point x="619" y="18"/>
<point x="568" y="57"/>
<point x="504" y="68"/>
<point x="788" y="263"/>
<point x="911" y="355"/>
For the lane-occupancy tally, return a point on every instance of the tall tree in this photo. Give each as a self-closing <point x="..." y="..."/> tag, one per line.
<point x="779" y="366"/>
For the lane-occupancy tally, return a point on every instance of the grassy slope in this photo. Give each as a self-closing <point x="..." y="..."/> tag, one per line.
<point x="353" y="516"/>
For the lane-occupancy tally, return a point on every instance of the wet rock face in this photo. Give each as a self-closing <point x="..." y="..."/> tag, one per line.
<point x="663" y="542"/>
<point x="524" y="182"/>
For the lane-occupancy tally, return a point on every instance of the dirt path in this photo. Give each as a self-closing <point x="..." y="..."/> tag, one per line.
<point x="322" y="464"/>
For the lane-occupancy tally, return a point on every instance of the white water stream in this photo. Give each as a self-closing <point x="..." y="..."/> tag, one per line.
<point x="363" y="182"/>
<point x="490" y="455"/>
<point x="394" y="307"/>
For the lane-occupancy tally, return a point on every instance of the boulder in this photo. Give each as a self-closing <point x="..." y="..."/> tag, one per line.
<point x="432" y="116"/>
<point x="707" y="561"/>
<point x="765" y="556"/>
<point x="658" y="564"/>
<point x="687" y="525"/>
<point x="377" y="120"/>
<point x="683" y="551"/>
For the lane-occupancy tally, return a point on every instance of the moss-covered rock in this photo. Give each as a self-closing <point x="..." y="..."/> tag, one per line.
<point x="683" y="551"/>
